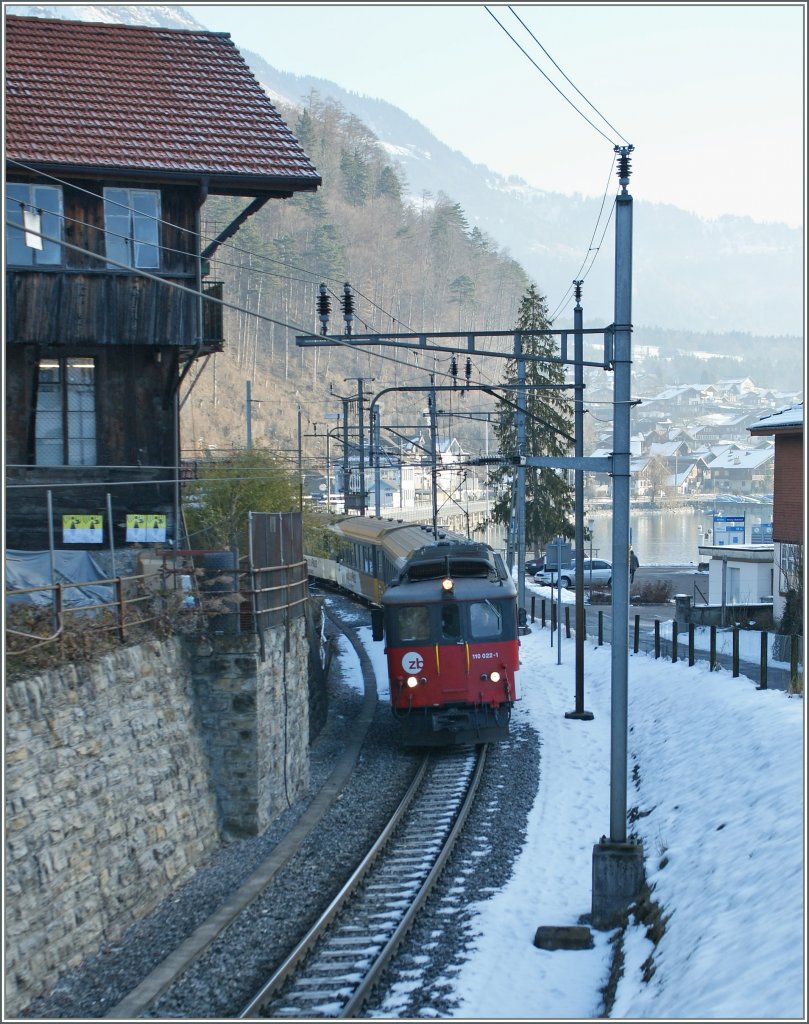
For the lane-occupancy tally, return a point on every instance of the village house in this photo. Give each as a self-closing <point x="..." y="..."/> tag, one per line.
<point x="786" y="427"/>
<point x="115" y="137"/>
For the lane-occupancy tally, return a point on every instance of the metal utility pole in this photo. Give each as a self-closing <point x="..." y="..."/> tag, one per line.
<point x="618" y="864"/>
<point x="578" y="476"/>
<point x="434" y="456"/>
<point x="520" y="495"/>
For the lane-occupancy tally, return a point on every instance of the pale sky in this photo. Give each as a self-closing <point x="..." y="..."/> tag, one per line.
<point x="710" y="95"/>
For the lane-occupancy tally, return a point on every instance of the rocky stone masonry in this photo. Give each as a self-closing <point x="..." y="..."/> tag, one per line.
<point x="120" y="775"/>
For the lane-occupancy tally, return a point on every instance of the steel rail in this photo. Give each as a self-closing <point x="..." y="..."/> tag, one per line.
<point x="319" y="930"/>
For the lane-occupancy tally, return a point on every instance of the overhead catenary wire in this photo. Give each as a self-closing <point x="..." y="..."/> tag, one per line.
<point x="561" y="72"/>
<point x="544" y="75"/>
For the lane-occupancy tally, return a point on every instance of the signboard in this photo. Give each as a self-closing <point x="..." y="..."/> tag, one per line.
<point x="728" y="530"/>
<point x="145" y="528"/>
<point x="557" y="554"/>
<point x="82" y="529"/>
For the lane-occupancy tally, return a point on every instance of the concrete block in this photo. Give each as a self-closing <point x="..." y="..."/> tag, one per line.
<point x="617" y="881"/>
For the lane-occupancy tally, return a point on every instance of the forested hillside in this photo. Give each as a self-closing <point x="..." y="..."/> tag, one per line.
<point x="412" y="267"/>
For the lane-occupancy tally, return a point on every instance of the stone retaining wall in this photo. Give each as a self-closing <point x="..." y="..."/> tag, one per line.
<point x="122" y="773"/>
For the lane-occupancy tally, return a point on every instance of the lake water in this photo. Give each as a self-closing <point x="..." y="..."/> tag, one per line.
<point x="668" y="536"/>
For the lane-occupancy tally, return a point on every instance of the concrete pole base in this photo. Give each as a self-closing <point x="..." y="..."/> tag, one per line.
<point x="617" y="881"/>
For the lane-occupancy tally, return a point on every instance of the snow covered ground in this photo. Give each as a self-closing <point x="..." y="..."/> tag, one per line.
<point x="715" y="792"/>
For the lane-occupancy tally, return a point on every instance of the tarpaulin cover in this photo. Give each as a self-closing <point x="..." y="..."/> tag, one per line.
<point x="33" y="569"/>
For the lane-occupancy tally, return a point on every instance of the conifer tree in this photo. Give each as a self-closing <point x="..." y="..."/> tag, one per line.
<point x="549" y="497"/>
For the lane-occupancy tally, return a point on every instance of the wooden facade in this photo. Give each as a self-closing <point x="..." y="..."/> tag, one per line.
<point x="108" y="304"/>
<point x="140" y="332"/>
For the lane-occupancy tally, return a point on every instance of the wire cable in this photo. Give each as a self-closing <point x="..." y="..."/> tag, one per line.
<point x="539" y="69"/>
<point x="531" y="34"/>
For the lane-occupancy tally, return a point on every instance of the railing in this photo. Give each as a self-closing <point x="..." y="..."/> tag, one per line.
<point x="682" y="644"/>
<point x="45" y="626"/>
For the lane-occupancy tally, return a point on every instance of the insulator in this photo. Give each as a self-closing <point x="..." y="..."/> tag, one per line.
<point x="468" y="370"/>
<point x="323" y="308"/>
<point x="453" y="368"/>
<point x="348" y="306"/>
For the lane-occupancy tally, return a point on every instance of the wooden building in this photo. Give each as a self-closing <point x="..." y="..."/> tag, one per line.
<point x="115" y="136"/>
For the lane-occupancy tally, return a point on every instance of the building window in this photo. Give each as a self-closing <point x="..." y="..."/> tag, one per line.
<point x="41" y="207"/>
<point x="66" y="413"/>
<point x="131" y="223"/>
<point x="790" y="567"/>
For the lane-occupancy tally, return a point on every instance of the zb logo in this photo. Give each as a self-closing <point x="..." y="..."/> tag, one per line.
<point x="412" y="662"/>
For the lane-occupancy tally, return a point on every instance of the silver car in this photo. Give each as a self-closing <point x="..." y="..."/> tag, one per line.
<point x="597" y="570"/>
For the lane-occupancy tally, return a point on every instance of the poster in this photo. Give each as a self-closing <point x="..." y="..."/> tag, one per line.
<point x="82" y="529"/>
<point x="145" y="528"/>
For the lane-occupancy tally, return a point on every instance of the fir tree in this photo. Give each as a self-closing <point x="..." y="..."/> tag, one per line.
<point x="549" y="498"/>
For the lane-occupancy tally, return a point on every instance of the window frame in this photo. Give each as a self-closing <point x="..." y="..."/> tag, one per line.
<point x="130" y="243"/>
<point x="78" y="446"/>
<point x="38" y="257"/>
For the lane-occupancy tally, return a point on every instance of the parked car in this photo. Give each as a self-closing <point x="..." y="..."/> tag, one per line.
<point x="597" y="570"/>
<point x="534" y="565"/>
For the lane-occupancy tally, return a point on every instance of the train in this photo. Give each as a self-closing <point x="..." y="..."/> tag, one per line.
<point x="446" y="608"/>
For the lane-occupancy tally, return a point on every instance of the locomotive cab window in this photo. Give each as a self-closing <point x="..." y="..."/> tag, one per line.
<point x="412" y="625"/>
<point x="485" y="620"/>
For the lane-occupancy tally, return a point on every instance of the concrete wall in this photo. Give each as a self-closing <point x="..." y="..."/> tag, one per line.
<point x="121" y="775"/>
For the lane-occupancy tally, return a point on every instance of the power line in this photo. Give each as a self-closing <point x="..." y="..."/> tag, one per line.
<point x="531" y="34"/>
<point x="539" y="69"/>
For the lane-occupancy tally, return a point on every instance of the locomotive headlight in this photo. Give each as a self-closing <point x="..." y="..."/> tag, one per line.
<point x="447" y="585"/>
<point x="412" y="682"/>
<point x="495" y="677"/>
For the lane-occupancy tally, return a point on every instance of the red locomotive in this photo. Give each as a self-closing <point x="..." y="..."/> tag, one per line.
<point x="450" y="629"/>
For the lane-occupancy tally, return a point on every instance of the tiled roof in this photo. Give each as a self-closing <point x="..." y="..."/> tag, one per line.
<point x="94" y="95"/>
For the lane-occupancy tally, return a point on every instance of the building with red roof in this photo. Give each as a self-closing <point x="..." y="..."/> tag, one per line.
<point x="115" y="136"/>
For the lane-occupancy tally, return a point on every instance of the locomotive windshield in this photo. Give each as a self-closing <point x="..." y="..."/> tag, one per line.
<point x="451" y="622"/>
<point x="413" y="624"/>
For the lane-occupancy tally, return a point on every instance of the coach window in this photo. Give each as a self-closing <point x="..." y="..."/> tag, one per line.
<point x="485" y="621"/>
<point x="414" y="624"/>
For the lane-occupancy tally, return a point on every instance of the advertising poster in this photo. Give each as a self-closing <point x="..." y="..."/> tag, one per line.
<point x="145" y="528"/>
<point x="82" y="529"/>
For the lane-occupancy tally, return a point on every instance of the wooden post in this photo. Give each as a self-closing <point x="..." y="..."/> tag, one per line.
<point x="533" y="607"/>
<point x="600" y="627"/>
<point x="674" y="633"/>
<point x="636" y="644"/>
<point x="712" y="656"/>
<point x="690" y="644"/>
<point x="567" y="621"/>
<point x="657" y="638"/>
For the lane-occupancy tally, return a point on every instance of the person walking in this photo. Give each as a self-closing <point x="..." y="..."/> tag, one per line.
<point x="633" y="565"/>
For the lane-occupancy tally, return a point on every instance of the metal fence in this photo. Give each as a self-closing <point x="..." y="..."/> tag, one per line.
<point x="680" y="644"/>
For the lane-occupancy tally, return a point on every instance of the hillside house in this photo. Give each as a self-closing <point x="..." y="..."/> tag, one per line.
<point x="788" y="500"/>
<point x="115" y="137"/>
<point x="743" y="471"/>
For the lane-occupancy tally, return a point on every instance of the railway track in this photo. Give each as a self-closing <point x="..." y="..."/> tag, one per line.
<point x="334" y="968"/>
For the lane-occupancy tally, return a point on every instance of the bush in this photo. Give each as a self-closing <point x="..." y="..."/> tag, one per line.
<point x="652" y="592"/>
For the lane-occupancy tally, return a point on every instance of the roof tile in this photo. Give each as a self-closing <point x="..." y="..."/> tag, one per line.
<point x="104" y="95"/>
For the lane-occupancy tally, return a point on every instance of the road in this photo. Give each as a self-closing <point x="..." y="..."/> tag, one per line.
<point x="682" y="580"/>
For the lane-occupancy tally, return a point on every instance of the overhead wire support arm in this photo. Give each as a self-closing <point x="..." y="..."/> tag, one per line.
<point x="431" y="342"/>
